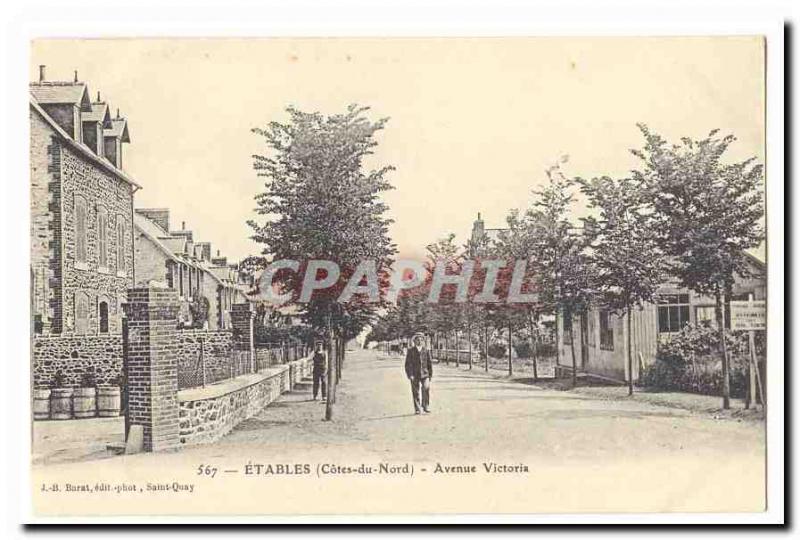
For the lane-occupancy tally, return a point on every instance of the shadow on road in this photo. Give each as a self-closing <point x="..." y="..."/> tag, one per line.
<point x="580" y="414"/>
<point x="386" y="417"/>
<point x="257" y="424"/>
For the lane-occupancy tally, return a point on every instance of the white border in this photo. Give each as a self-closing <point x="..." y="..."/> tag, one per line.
<point x="361" y="18"/>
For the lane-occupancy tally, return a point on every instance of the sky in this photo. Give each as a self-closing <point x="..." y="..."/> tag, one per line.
<point x="473" y="123"/>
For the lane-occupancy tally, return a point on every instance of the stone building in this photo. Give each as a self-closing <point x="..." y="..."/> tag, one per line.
<point x="172" y="258"/>
<point x="81" y="211"/>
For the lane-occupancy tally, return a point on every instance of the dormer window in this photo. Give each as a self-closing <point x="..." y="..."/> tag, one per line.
<point x="94" y="123"/>
<point x="113" y="138"/>
<point x="65" y="102"/>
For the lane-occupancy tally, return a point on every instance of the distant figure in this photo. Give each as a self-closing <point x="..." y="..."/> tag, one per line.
<point x="320" y="361"/>
<point x="419" y="370"/>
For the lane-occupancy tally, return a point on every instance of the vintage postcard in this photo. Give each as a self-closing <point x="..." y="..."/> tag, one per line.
<point x="389" y="276"/>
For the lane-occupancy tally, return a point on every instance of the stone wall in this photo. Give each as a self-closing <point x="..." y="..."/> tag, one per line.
<point x="170" y="417"/>
<point x="73" y="355"/>
<point x="216" y="347"/>
<point x="99" y="188"/>
<point x="59" y="174"/>
<point x="45" y="231"/>
<point x="206" y="415"/>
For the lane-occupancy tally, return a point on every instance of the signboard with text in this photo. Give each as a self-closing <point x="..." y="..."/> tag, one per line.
<point x="749" y="315"/>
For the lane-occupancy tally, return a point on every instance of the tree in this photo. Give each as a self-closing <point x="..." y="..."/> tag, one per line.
<point x="249" y="268"/>
<point x="563" y="270"/>
<point x="199" y="309"/>
<point x="628" y="263"/>
<point x="319" y="202"/>
<point x="519" y="242"/>
<point x="446" y="315"/>
<point x="707" y="214"/>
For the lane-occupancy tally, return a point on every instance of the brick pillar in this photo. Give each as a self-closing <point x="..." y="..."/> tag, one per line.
<point x="152" y="365"/>
<point x="242" y="316"/>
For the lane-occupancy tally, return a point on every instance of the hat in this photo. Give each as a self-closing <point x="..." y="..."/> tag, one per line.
<point x="418" y="334"/>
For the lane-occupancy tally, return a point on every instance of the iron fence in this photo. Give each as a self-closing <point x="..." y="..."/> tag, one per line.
<point x="208" y="367"/>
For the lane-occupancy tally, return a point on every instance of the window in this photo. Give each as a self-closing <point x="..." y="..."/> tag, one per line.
<point x="102" y="311"/>
<point x="81" y="313"/>
<point x="606" y="331"/>
<point x="102" y="237"/>
<point x="120" y="244"/>
<point x="673" y="312"/>
<point x="80" y="229"/>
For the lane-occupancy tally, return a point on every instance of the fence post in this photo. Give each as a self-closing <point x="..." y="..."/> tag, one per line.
<point x="151" y="366"/>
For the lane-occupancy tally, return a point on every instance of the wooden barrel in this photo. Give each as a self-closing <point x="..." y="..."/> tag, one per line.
<point x="108" y="401"/>
<point x="84" y="402"/>
<point x="61" y="403"/>
<point x="41" y="403"/>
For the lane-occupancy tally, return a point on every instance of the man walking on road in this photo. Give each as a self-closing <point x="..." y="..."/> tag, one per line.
<point x="419" y="370"/>
<point x="318" y="374"/>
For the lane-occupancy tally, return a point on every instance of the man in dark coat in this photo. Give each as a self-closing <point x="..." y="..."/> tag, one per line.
<point x="319" y="371"/>
<point x="419" y="370"/>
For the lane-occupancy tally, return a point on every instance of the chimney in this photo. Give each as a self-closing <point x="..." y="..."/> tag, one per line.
<point x="117" y="113"/>
<point x="219" y="261"/>
<point x="76" y="76"/>
<point x="184" y="232"/>
<point x="41" y="73"/>
<point x="98" y="96"/>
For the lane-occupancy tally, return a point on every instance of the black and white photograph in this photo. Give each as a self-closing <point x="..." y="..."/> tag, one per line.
<point x="397" y="275"/>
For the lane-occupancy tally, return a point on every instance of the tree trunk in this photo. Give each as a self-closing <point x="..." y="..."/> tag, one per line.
<point x="533" y="351"/>
<point x="330" y="377"/>
<point x="510" y="367"/>
<point x="486" y="348"/>
<point x="557" y="343"/>
<point x="339" y="358"/>
<point x="572" y="350"/>
<point x="726" y="383"/>
<point x="630" y="355"/>
<point x="469" y="344"/>
<point x="458" y="347"/>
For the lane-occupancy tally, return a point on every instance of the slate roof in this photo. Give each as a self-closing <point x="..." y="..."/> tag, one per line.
<point x="119" y="128"/>
<point x="49" y="93"/>
<point x="175" y="244"/>
<point x="83" y="150"/>
<point x="99" y="113"/>
<point x="154" y="233"/>
<point x="174" y="248"/>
